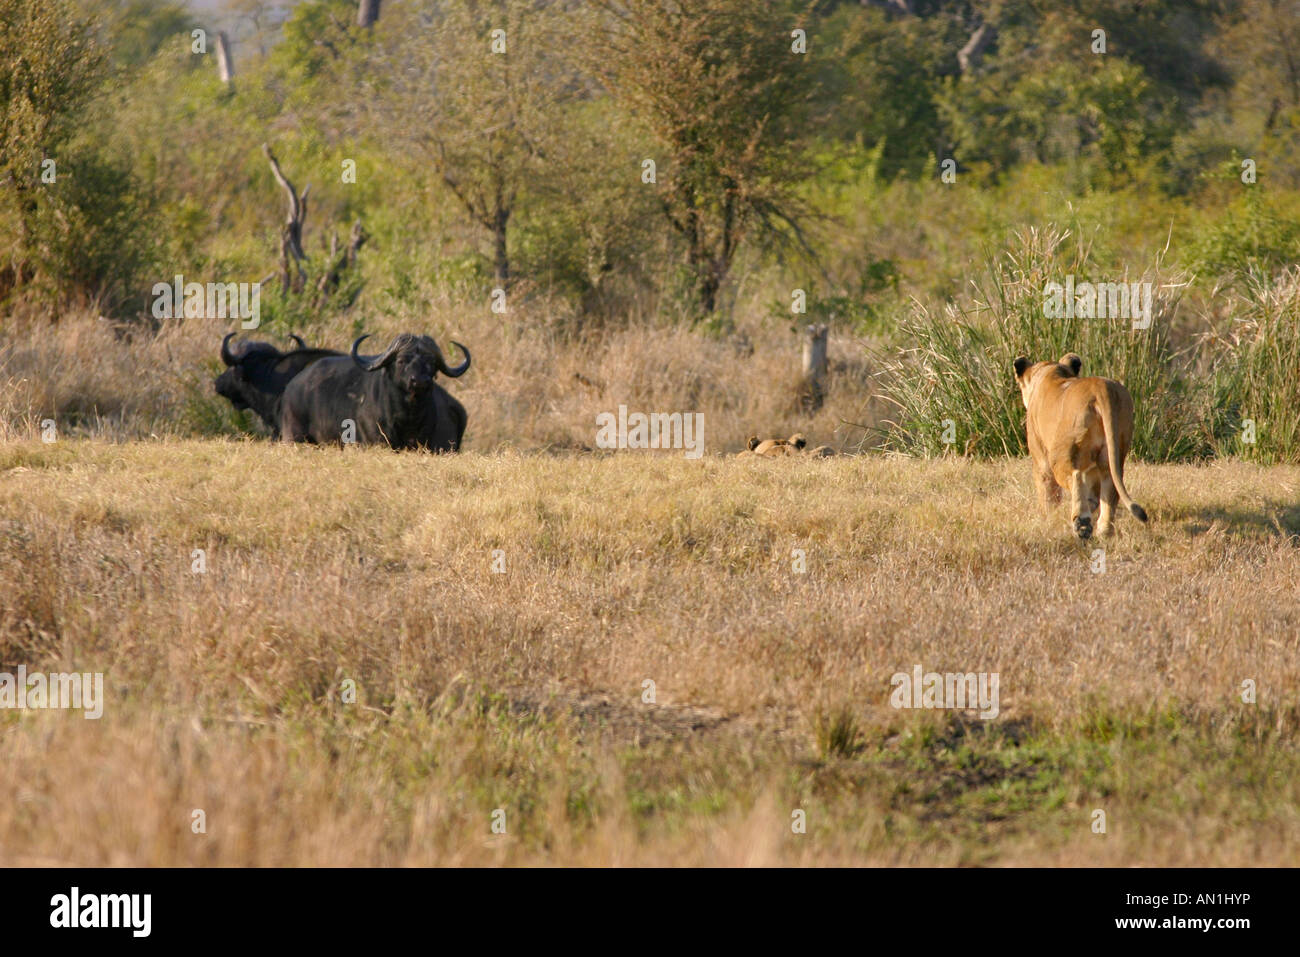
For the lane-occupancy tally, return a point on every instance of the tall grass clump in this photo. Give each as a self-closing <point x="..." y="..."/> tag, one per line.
<point x="1256" y="375"/>
<point x="951" y="385"/>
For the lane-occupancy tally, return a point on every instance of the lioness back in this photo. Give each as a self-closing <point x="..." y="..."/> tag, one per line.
<point x="1079" y="431"/>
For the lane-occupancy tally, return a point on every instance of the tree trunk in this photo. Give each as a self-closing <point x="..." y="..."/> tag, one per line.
<point x="812" y="389"/>
<point x="367" y="13"/>
<point x="500" y="254"/>
<point x="225" y="68"/>
<point x="708" y="287"/>
<point x="712" y="271"/>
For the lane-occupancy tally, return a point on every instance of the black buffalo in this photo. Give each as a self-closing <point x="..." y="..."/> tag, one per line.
<point x="390" y="399"/>
<point x="257" y="373"/>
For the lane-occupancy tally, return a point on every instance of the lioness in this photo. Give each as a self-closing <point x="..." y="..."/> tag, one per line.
<point x="795" y="445"/>
<point x="777" y="447"/>
<point x="1079" y="433"/>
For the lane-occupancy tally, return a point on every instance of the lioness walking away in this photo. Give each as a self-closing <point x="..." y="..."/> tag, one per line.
<point x="1079" y="433"/>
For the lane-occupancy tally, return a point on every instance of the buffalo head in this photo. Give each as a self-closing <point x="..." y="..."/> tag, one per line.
<point x="257" y="373"/>
<point x="412" y="362"/>
<point x="232" y="384"/>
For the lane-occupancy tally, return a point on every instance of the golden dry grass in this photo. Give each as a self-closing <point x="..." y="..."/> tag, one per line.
<point x="534" y="382"/>
<point x="523" y="690"/>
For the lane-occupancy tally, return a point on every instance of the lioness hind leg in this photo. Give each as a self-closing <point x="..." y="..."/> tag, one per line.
<point x="1109" y="499"/>
<point x="1049" y="493"/>
<point x="1082" y="500"/>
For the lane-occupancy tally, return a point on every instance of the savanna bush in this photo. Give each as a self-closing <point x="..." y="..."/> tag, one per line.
<point x="75" y="217"/>
<point x="91" y="233"/>
<point x="1251" y="238"/>
<point x="1256" y="376"/>
<point x="956" y="365"/>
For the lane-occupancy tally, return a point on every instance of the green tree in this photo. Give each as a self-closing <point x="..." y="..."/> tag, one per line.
<point x="724" y="93"/>
<point x="880" y="82"/>
<point x="584" y="225"/>
<point x="51" y="64"/>
<point x="1102" y="85"/>
<point x="471" y="88"/>
<point x="317" y="36"/>
<point x="137" y="29"/>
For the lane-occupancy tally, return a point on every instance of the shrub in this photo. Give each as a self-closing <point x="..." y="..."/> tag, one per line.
<point x="959" y="369"/>
<point x="91" y="232"/>
<point x="1251" y="238"/>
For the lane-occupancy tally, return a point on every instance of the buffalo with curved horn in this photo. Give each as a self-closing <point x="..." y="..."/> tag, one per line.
<point x="257" y="374"/>
<point x="390" y="399"/>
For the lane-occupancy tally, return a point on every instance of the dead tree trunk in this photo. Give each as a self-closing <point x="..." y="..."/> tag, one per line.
<point x="225" y="67"/>
<point x="291" y="233"/>
<point x="367" y="13"/>
<point x="329" y="280"/>
<point x="812" y="387"/>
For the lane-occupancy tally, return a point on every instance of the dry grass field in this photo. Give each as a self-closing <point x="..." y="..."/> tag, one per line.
<point x="524" y="691"/>
<point x="845" y="220"/>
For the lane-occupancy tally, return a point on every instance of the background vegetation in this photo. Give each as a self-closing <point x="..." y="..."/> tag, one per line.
<point x="773" y="170"/>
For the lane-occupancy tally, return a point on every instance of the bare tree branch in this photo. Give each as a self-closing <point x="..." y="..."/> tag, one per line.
<point x="291" y="251"/>
<point x="968" y="57"/>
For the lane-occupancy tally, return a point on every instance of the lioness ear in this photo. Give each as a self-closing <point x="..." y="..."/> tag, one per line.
<point x="1072" y="362"/>
<point x="753" y="442"/>
<point x="798" y="441"/>
<point x="1022" y="363"/>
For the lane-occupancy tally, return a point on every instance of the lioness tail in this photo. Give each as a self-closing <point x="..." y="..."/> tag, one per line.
<point x="1116" y="466"/>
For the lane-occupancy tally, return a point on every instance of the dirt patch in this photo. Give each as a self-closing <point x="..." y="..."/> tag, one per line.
<point x="632" y="724"/>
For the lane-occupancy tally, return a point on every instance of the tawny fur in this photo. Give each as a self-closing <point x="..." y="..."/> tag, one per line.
<point x="776" y="448"/>
<point x="1079" y="432"/>
<point x="780" y="448"/>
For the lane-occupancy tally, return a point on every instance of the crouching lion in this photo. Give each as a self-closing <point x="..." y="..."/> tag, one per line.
<point x="1079" y="432"/>
<point x="777" y="448"/>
